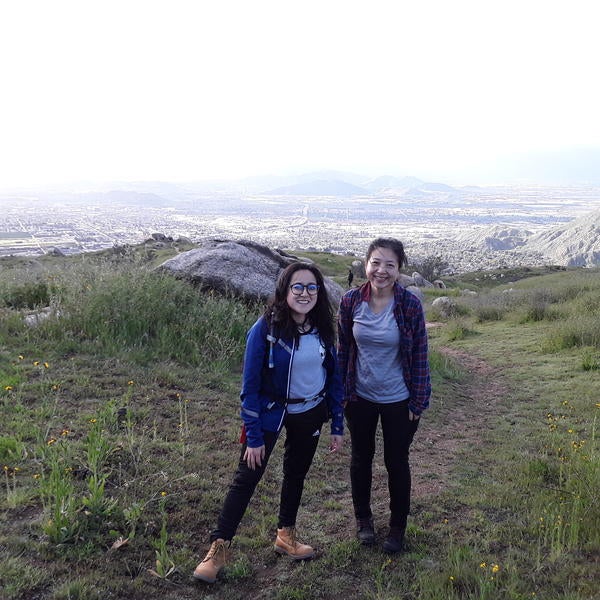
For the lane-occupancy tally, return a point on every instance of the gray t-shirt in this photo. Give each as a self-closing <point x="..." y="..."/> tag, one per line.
<point x="308" y="373"/>
<point x="378" y="369"/>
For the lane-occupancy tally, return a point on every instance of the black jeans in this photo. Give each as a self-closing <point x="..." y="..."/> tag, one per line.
<point x="362" y="417"/>
<point x="302" y="437"/>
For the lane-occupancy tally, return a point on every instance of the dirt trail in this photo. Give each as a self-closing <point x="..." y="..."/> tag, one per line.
<point x="459" y="422"/>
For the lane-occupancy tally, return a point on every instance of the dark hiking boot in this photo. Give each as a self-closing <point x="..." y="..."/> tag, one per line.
<point x="394" y="542"/>
<point x="365" y="531"/>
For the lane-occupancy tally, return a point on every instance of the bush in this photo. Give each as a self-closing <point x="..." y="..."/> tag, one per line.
<point x="590" y="361"/>
<point x="457" y="330"/>
<point x="578" y="331"/>
<point x="444" y="367"/>
<point x="30" y="294"/>
<point x="150" y="316"/>
<point x="489" y="313"/>
<point x="431" y="267"/>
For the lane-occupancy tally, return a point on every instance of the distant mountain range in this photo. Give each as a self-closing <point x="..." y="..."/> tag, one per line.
<point x="320" y="183"/>
<point x="385" y="184"/>
<point x="319" y="187"/>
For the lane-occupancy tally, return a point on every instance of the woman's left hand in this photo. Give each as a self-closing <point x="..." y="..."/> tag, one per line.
<point x="412" y="416"/>
<point x="336" y="443"/>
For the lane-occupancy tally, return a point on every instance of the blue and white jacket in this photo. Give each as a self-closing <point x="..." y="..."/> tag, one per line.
<point x="265" y="388"/>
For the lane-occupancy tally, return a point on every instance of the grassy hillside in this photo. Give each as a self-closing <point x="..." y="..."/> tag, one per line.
<point x="119" y="427"/>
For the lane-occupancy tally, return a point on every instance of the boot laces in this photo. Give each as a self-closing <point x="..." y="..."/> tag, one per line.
<point x="215" y="549"/>
<point x="293" y="536"/>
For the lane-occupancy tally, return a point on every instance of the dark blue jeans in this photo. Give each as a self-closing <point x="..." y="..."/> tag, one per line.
<point x="299" y="449"/>
<point x="362" y="417"/>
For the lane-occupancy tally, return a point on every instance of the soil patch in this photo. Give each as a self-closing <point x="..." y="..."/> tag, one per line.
<point x="460" y="421"/>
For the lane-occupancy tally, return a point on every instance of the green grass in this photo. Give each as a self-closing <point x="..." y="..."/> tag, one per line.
<point x="119" y="421"/>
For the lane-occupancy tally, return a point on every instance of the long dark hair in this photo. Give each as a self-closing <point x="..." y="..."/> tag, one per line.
<point x="279" y="315"/>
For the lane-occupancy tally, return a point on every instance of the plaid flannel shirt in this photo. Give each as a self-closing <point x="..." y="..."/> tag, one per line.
<point x="413" y="344"/>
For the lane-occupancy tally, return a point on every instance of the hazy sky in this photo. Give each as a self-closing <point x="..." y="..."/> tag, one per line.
<point x="181" y="90"/>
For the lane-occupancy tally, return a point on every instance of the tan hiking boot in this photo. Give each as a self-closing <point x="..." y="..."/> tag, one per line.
<point x="213" y="562"/>
<point x="286" y="543"/>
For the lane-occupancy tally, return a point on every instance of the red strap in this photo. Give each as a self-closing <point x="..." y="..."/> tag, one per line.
<point x="243" y="435"/>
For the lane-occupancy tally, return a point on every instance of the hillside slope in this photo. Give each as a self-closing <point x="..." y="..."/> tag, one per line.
<point x="575" y="244"/>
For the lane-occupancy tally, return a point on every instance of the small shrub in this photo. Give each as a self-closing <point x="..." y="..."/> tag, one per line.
<point x="541" y="470"/>
<point x="19" y="579"/>
<point x="590" y="361"/>
<point x="30" y="294"/>
<point x="578" y="331"/>
<point x="489" y="313"/>
<point x="540" y="311"/>
<point x="444" y="366"/>
<point x="10" y="449"/>
<point x="457" y="330"/>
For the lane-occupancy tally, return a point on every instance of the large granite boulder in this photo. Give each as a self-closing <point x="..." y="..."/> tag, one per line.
<point x="242" y="268"/>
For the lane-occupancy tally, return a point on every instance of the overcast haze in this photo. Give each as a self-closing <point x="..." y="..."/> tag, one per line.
<point x="456" y="91"/>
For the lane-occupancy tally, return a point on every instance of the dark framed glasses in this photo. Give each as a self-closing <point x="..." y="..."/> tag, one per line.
<point x="298" y="289"/>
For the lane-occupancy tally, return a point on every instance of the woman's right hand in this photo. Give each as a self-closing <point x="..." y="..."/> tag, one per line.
<point x="254" y="456"/>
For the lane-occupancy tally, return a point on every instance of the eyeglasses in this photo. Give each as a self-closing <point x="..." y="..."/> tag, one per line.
<point x="298" y="289"/>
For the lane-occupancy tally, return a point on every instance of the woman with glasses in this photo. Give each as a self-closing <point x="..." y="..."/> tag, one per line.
<point x="291" y="381"/>
<point x="382" y="350"/>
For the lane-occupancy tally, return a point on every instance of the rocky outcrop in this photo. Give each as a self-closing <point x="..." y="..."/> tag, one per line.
<point x="495" y="238"/>
<point x="242" y="268"/>
<point x="444" y="305"/>
<point x="576" y="244"/>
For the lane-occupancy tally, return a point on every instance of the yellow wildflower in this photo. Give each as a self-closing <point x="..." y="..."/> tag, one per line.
<point x="163" y="494"/>
<point x="51" y="441"/>
<point x="46" y="365"/>
<point x="8" y="387"/>
<point x="36" y="363"/>
<point x="130" y="382"/>
<point x="21" y="357"/>
<point x="483" y="565"/>
<point x="495" y="568"/>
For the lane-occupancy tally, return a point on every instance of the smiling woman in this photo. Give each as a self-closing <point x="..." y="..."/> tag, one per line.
<point x="290" y="381"/>
<point x="384" y="364"/>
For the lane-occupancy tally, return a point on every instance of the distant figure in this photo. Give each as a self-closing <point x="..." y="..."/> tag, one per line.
<point x="290" y="381"/>
<point x="350" y="277"/>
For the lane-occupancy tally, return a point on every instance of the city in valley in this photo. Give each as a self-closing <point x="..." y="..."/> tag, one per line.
<point x="430" y="220"/>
